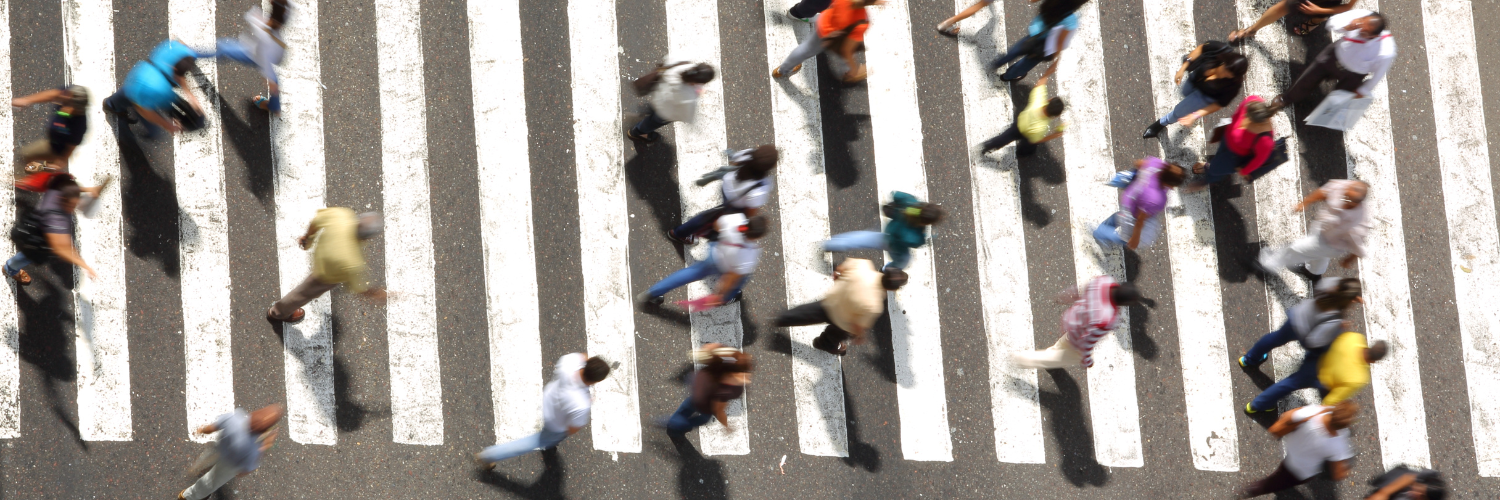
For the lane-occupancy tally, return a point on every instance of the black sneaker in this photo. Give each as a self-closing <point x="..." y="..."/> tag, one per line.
<point x="1153" y="130"/>
<point x="644" y="299"/>
<point x="691" y="240"/>
<point x="118" y="114"/>
<point x="1301" y="270"/>
<point x="648" y="137"/>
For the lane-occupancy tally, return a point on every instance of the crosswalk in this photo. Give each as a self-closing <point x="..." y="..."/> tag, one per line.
<point x="898" y="118"/>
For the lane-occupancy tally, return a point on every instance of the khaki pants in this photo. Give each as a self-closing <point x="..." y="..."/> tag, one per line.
<point x="210" y="482"/>
<point x="1061" y="355"/>
<point x="38" y="150"/>
<point x="1310" y="251"/>
<point x="310" y="289"/>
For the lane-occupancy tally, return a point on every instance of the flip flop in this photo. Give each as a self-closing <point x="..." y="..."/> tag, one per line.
<point x="22" y="278"/>
<point x="856" y="75"/>
<point x="951" y="31"/>
<point x="297" y="317"/>
<point x="776" y="72"/>
<point x="1306" y="27"/>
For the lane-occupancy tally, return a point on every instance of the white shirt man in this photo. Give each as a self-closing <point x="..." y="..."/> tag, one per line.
<point x="566" y="405"/>
<point x="1338" y="230"/>
<point x="1359" y="53"/>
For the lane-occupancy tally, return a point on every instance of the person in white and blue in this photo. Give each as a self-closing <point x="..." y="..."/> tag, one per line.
<point x="732" y="258"/>
<point x="260" y="47"/>
<point x="242" y="439"/>
<point x="1047" y="35"/>
<point x="566" y="406"/>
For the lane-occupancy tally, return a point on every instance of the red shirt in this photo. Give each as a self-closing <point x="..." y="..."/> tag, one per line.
<point x="1246" y="143"/>
<point x="840" y="15"/>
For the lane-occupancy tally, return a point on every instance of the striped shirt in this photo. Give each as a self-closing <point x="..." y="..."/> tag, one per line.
<point x="1092" y="317"/>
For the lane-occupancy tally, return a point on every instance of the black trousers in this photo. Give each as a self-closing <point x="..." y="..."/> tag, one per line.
<point x="1024" y="147"/>
<point x="808" y="8"/>
<point x="1323" y="67"/>
<point x="814" y="314"/>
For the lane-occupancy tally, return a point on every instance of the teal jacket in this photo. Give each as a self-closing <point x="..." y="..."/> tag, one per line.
<point x="900" y="235"/>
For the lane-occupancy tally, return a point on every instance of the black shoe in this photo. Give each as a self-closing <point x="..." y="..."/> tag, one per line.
<point x="687" y="242"/>
<point x="1153" y="130"/>
<point x="1301" y="270"/>
<point x="648" y="137"/>
<point x="1260" y="270"/>
<point x="118" y="114"/>
<point x="644" y="299"/>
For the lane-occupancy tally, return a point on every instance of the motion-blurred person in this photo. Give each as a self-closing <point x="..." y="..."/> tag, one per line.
<point x="910" y="219"/>
<point x="1311" y="436"/>
<point x="1248" y="141"/>
<point x="722" y="379"/>
<point x="66" y="127"/>
<point x="949" y="27"/>
<point x="840" y="29"/>
<point x="673" y="98"/>
<point x="148" y="90"/>
<point x="1339" y="229"/>
<point x="1048" y="34"/>
<point x="261" y="47"/>
<point x="1345" y="368"/>
<point x="806" y="9"/>
<point x="1314" y="324"/>
<point x="1313" y="12"/>
<point x="1360" y="56"/>
<point x="566" y="406"/>
<point x="242" y="439"/>
<point x="1095" y="312"/>
<point x="745" y="188"/>
<point x="1406" y="483"/>
<point x="731" y="259"/>
<point x="1036" y="124"/>
<point x="338" y="259"/>
<point x="1143" y="198"/>
<point x="1209" y="79"/>
<point x="48" y="231"/>
<point x="851" y="307"/>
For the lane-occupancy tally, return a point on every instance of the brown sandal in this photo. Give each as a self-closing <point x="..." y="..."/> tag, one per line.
<point x="776" y="72"/>
<point x="22" y="278"/>
<point x="856" y="75"/>
<point x="1307" y="26"/>
<point x="297" y="317"/>
<point x="1200" y="167"/>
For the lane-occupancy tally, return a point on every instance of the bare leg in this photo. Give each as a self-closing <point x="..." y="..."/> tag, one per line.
<point x="948" y="26"/>
<point x="1278" y="11"/>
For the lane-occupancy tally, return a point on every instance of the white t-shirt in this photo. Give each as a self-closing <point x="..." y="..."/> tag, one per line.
<point x="733" y="253"/>
<point x="746" y="193"/>
<point x="263" y="43"/>
<point x="566" y="400"/>
<point x="1310" y="445"/>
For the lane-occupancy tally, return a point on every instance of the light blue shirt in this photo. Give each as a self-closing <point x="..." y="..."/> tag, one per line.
<point x="149" y="84"/>
<point x="237" y="444"/>
<point x="1070" y="23"/>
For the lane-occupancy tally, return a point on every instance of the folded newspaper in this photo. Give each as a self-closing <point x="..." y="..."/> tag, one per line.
<point x="1339" y="111"/>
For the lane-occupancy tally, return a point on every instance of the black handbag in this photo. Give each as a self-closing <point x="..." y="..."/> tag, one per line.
<point x="1278" y="156"/>
<point x="30" y="240"/>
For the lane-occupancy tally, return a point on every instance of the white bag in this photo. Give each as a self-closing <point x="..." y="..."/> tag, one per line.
<point x="1339" y="111"/>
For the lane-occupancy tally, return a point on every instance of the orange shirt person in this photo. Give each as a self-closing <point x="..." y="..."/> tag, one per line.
<point x="841" y="29"/>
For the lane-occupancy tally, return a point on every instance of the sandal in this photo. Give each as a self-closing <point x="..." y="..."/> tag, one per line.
<point x="297" y="317"/>
<point x="22" y="278"/>
<point x="776" y="72"/>
<point x="949" y="31"/>
<point x="856" y="75"/>
<point x="1307" y="27"/>
<point x="39" y="166"/>
<point x="1200" y="167"/>
<point x="1237" y="36"/>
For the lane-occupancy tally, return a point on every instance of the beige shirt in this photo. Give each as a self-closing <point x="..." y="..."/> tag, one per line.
<point x="337" y="258"/>
<point x="857" y="298"/>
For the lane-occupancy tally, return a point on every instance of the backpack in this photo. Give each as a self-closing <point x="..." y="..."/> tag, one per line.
<point x="29" y="238"/>
<point x="647" y="82"/>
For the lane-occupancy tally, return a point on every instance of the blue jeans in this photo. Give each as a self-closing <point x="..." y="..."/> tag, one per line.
<point x="1192" y="100"/>
<point x="1018" y="70"/>
<point x="687" y="418"/>
<point x="649" y="123"/>
<point x="541" y="440"/>
<point x="698" y="222"/>
<point x="699" y="271"/>
<point x="16" y="264"/>
<point x="1305" y="376"/>
<point x="1224" y="163"/>
<point x="868" y="240"/>
<point x="1108" y="232"/>
<point x="232" y="49"/>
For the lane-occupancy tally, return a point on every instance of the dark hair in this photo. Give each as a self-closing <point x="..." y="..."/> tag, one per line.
<point x="1379" y="21"/>
<point x="1054" y="11"/>
<point x="184" y="65"/>
<point x="1055" y="106"/>
<point x="755" y="227"/>
<point x="1341" y="296"/>
<point x="742" y="362"/>
<point x="1377" y="351"/>
<point x="893" y="278"/>
<point x="594" y="370"/>
<point x="1437" y="487"/>
<point x="1259" y="111"/>
<point x="1234" y="63"/>
<point x="931" y="213"/>
<point x="1125" y="294"/>
<point x="1171" y="175"/>
<point x="762" y="159"/>
<point x="702" y="73"/>
<point x="65" y="185"/>
<point x="278" y="12"/>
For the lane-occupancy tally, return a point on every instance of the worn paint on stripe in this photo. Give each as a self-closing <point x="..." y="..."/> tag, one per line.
<point x="297" y="157"/>
<point x="604" y="227"/>
<point x="1468" y="197"/>
<point x="802" y="188"/>
<point x="10" y="338"/>
<point x="1209" y="394"/>
<point x="500" y="140"/>
<point x="916" y="333"/>
<point x="1090" y="163"/>
<point x="101" y="344"/>
<point x="411" y="310"/>
<point x="998" y="232"/>
<point x="693" y="34"/>
<point x="204" y="243"/>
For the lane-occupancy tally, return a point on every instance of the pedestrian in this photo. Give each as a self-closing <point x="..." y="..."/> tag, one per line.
<point x="1405" y="483"/>
<point x="260" y="46"/>
<point x="1311" y="436"/>
<point x="1214" y="73"/>
<point x="1313" y="323"/>
<point x="674" y="97"/>
<point x="731" y="260"/>
<point x="66" y="127"/>
<point x="48" y="230"/>
<point x="745" y="188"/>
<point x="851" y="306"/>
<point x="1036" y="124"/>
<point x="1345" y="368"/>
<point x="566" y="405"/>
<point x="841" y="29"/>
<point x="1094" y="313"/>
<point x="1143" y="198"/>
<point x="148" y="89"/>
<point x="908" y="228"/>
<point x="722" y="379"/>
<point x="1339" y="229"/>
<point x="1358" y="58"/>
<point x="337" y="259"/>
<point x="1247" y="142"/>
<point x="806" y="9"/>
<point x="242" y="439"/>
<point x="1048" y="34"/>
<point x="1312" y="13"/>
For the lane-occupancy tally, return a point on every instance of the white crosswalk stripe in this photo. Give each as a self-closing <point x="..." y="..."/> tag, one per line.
<point x="10" y="328"/>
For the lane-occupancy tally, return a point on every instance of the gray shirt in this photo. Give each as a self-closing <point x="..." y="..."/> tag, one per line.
<point x="237" y="445"/>
<point x="1315" y="329"/>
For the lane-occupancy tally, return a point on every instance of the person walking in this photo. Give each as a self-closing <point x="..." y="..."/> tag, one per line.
<point x="674" y="98"/>
<point x="1359" y="57"/>
<point x="851" y="306"/>
<point x="1345" y="368"/>
<point x="949" y="27"/>
<point x="723" y="377"/>
<point x="1247" y="142"/>
<point x="731" y="259"/>
<point x="1339" y="229"/>
<point x="148" y="89"/>
<point x="1214" y="75"/>
<point x="1405" y="483"/>
<point x="66" y="127"/>
<point x="337" y="259"/>
<point x="566" y="406"/>
<point x="48" y="231"/>
<point x="1048" y="34"/>
<point x="1313" y="323"/>
<point x="1312" y="13"/>
<point x="910" y="220"/>
<point x="1036" y="124"/>
<point x="1094" y="313"/>
<point x="1311" y="436"/>
<point x="745" y="188"/>
<point x="1143" y="198"/>
<point x="242" y="439"/>
<point x="806" y="9"/>
<point x="840" y="28"/>
<point x="260" y="47"/>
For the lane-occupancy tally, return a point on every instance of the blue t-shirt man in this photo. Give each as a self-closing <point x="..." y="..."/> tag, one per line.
<point x="149" y="85"/>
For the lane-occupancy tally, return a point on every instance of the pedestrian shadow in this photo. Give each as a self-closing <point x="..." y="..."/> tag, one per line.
<point x="45" y="339"/>
<point x="1043" y="166"/>
<point x="652" y="175"/>
<point x="1262" y="382"/>
<point x="1140" y="342"/>
<point x="1231" y="238"/>
<point x="672" y="315"/>
<point x="548" y="486"/>
<point x="349" y="415"/>
<point x="861" y="454"/>
<point x="149" y="204"/>
<point x="884" y="357"/>
<point x="841" y="129"/>
<point x="698" y="477"/>
<point x="749" y="331"/>
<point x="252" y="143"/>
<point x="1320" y="487"/>
<point x="1074" y="439"/>
<point x="1328" y="160"/>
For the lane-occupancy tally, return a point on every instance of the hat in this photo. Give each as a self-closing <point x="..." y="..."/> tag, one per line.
<point x="80" y="96"/>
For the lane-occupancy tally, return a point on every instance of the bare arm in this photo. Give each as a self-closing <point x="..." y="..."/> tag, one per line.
<point x="1284" y="425"/>
<point x="573" y="430"/>
<point x="192" y="98"/>
<point x="1401" y="483"/>
<point x="1140" y="225"/>
<point x="1339" y="470"/>
<point x="1051" y="136"/>
<point x="719" y="414"/>
<point x="1181" y="70"/>
<point x="37" y="98"/>
<point x="726" y="284"/>
<point x="306" y="238"/>
<point x="159" y="120"/>
<point x="208" y="429"/>
<point x="1316" y="196"/>
<point x="62" y="245"/>
<point x="1187" y="121"/>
